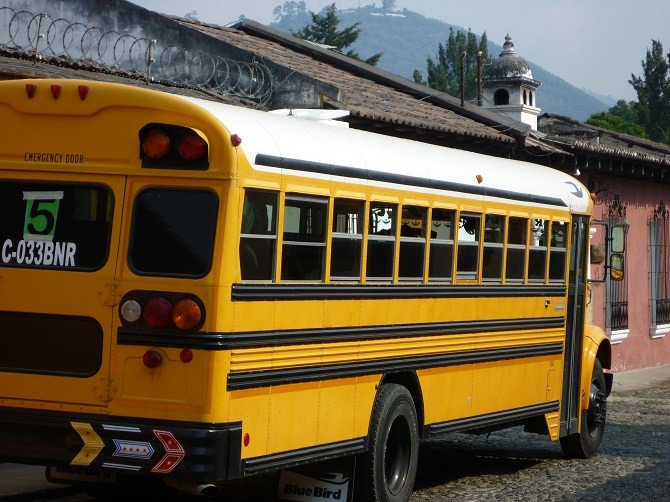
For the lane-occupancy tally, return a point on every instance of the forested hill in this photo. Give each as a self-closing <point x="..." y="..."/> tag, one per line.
<point x="407" y="39"/>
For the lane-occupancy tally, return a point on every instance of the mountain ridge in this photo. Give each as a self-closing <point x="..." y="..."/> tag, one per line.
<point x="408" y="38"/>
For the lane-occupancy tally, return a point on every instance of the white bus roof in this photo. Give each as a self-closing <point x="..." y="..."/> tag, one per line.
<point x="275" y="143"/>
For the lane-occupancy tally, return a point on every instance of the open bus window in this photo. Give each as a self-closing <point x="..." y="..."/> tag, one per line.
<point x="258" y="239"/>
<point x="467" y="263"/>
<point x="381" y="241"/>
<point x="442" y="230"/>
<point x="494" y="239"/>
<point x="557" y="251"/>
<point x="54" y="225"/>
<point x="412" y="243"/>
<point x="304" y="246"/>
<point x="537" y="257"/>
<point x="517" y="242"/>
<point x="347" y="246"/>
<point x="173" y="232"/>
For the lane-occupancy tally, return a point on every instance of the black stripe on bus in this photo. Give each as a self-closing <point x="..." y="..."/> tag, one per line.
<point x="259" y="339"/>
<point x="283" y="376"/>
<point x="400" y="179"/>
<point x="269" y="292"/>
<point x="292" y="458"/>
<point x="490" y="420"/>
<point x="268" y="463"/>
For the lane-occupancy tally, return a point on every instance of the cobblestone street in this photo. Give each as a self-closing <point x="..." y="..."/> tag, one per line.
<point x="633" y="462"/>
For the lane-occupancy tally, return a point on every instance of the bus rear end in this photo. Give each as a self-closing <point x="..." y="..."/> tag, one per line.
<point x="109" y="268"/>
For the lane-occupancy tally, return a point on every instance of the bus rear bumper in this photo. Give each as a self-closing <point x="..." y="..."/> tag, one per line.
<point x="75" y="444"/>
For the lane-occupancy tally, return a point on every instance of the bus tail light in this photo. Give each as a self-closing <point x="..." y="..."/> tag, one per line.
<point x="168" y="312"/>
<point x="192" y="147"/>
<point x="156" y="144"/>
<point x="186" y="314"/>
<point x="168" y="146"/>
<point x="157" y="312"/>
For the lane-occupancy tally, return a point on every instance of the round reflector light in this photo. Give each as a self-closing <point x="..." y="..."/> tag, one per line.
<point x="156" y="144"/>
<point x="186" y="314"/>
<point x="186" y="355"/>
<point x="131" y="311"/>
<point x="151" y="359"/>
<point x="157" y="312"/>
<point x="192" y="147"/>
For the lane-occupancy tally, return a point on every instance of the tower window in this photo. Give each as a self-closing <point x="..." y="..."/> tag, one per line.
<point x="501" y="97"/>
<point x="525" y="97"/>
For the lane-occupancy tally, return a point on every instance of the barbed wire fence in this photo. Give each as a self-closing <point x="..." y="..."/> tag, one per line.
<point x="41" y="36"/>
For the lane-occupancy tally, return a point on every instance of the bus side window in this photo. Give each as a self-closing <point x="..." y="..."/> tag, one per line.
<point x="442" y="231"/>
<point x="517" y="242"/>
<point x="537" y="258"/>
<point x="258" y="235"/>
<point x="304" y="246"/>
<point x="347" y="244"/>
<point x="412" y="243"/>
<point x="494" y="238"/>
<point x="467" y="262"/>
<point x="557" y="251"/>
<point x="381" y="241"/>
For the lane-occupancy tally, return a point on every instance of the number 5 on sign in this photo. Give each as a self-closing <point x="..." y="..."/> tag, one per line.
<point x="41" y="215"/>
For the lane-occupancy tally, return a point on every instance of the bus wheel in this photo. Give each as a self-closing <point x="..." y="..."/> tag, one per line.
<point x="387" y="470"/>
<point x="585" y="443"/>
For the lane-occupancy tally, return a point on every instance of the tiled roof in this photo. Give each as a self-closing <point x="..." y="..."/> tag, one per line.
<point x="365" y="91"/>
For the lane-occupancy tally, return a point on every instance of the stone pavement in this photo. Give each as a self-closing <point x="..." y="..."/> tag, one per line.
<point x="27" y="483"/>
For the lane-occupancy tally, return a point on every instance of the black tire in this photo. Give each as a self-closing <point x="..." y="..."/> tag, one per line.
<point x="386" y="472"/>
<point x="585" y="443"/>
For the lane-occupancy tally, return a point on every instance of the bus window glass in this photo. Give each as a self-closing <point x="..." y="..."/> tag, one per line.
<point x="258" y="239"/>
<point x="61" y="226"/>
<point x="303" y="250"/>
<point x="381" y="242"/>
<point x="467" y="263"/>
<point x="537" y="258"/>
<point x="173" y="232"/>
<point x="412" y="243"/>
<point x="494" y="237"/>
<point x="557" y="251"/>
<point x="347" y="245"/>
<point x="517" y="241"/>
<point x="441" y="244"/>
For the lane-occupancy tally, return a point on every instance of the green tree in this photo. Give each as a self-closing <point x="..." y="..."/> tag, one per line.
<point x="653" y="92"/>
<point x="444" y="73"/>
<point x="323" y="30"/>
<point x="608" y="120"/>
<point x="627" y="110"/>
<point x="289" y="9"/>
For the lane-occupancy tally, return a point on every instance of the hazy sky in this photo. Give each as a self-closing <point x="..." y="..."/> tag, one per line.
<point x="593" y="44"/>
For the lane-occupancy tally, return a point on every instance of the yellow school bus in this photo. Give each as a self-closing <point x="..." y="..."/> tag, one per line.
<point x="192" y="292"/>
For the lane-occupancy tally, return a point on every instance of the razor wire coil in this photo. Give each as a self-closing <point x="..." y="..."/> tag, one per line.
<point x="38" y="36"/>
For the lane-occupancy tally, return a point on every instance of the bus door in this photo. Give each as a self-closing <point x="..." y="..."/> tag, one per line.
<point x="570" y="407"/>
<point x="58" y="251"/>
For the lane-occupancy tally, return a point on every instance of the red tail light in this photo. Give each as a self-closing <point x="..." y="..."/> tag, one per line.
<point x="158" y="312"/>
<point x="192" y="147"/>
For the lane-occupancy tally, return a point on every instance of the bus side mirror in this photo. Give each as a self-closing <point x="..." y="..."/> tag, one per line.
<point x="618" y="244"/>
<point x="617" y="267"/>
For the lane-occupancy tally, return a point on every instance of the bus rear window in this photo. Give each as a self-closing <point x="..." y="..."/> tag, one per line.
<point x="173" y="232"/>
<point x="54" y="225"/>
